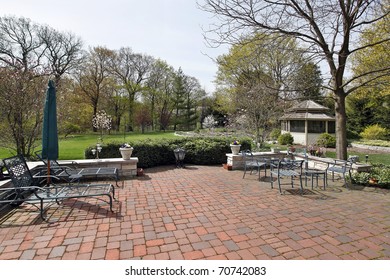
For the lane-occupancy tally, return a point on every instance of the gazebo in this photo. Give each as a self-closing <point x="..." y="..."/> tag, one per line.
<point x="306" y="121"/>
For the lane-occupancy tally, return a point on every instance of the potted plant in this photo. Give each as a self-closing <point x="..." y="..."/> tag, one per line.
<point x="126" y="150"/>
<point x="235" y="146"/>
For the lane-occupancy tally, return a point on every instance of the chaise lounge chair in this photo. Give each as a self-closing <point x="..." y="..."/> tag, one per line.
<point x="71" y="173"/>
<point x="26" y="190"/>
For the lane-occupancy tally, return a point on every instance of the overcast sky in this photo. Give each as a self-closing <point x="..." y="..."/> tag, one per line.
<point x="167" y="29"/>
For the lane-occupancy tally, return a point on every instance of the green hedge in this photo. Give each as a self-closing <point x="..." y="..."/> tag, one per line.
<point x="201" y="151"/>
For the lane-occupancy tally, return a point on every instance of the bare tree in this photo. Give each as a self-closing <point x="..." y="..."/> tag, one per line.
<point x="22" y="88"/>
<point x="20" y="45"/>
<point x="21" y="99"/>
<point x="328" y="30"/>
<point x="258" y="102"/>
<point x="64" y="51"/>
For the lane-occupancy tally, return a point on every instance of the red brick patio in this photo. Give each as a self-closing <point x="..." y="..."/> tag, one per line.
<point x="204" y="212"/>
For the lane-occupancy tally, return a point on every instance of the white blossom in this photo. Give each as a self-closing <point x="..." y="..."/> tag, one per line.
<point x="209" y="122"/>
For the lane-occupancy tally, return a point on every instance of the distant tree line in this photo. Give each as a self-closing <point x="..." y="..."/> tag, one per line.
<point x="137" y="90"/>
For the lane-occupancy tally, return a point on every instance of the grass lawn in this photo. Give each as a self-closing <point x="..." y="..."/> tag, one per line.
<point x="73" y="147"/>
<point x="372" y="158"/>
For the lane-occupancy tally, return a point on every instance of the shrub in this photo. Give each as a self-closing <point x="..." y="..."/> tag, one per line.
<point x="70" y="128"/>
<point x="380" y="172"/>
<point x="375" y="132"/>
<point x="202" y="151"/>
<point x="275" y="133"/>
<point x="286" y="139"/>
<point x="326" y="140"/>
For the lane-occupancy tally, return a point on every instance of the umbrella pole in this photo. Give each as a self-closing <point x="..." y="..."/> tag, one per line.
<point x="48" y="174"/>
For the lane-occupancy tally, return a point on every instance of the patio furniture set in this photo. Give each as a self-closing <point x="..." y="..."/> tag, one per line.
<point x="65" y="182"/>
<point x="294" y="169"/>
<point x="29" y="186"/>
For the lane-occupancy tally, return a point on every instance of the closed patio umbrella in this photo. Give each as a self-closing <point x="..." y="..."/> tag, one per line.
<point x="49" y="131"/>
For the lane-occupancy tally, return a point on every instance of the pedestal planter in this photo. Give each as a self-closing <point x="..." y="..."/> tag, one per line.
<point x="235" y="149"/>
<point x="126" y="153"/>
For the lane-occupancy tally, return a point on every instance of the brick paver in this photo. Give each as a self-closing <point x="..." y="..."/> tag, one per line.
<point x="206" y="212"/>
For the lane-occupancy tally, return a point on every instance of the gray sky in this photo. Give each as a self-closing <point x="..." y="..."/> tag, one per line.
<point x="167" y="29"/>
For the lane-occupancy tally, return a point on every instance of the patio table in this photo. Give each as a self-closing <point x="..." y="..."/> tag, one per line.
<point x="314" y="173"/>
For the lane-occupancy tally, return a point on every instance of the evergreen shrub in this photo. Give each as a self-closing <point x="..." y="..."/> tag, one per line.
<point x="201" y="151"/>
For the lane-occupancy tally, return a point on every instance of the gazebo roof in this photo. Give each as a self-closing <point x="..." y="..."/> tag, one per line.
<point x="308" y="106"/>
<point x="307" y="110"/>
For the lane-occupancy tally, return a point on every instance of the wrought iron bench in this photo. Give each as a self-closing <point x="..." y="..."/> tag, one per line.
<point x="25" y="189"/>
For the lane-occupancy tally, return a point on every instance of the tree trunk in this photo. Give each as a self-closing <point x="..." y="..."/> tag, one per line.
<point x="341" y="127"/>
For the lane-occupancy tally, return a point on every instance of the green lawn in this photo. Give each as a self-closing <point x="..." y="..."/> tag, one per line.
<point x="73" y="147"/>
<point x="372" y="158"/>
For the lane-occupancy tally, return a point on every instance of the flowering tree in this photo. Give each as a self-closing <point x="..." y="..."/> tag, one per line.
<point x="209" y="122"/>
<point x="101" y="121"/>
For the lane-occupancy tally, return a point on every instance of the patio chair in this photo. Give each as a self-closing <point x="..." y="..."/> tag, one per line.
<point x="250" y="163"/>
<point x="287" y="168"/>
<point x="72" y="173"/>
<point x="26" y="190"/>
<point x="341" y="167"/>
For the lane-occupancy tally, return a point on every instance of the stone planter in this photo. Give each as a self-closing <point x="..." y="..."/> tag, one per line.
<point x="235" y="149"/>
<point x="126" y="153"/>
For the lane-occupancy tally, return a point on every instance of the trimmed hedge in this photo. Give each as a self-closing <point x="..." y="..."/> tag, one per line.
<point x="201" y="151"/>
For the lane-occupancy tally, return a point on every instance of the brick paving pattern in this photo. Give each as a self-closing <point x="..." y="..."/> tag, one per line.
<point x="205" y="212"/>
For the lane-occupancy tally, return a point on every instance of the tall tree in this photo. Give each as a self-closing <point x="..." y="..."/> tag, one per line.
<point x="179" y="98"/>
<point x="328" y="29"/>
<point x="132" y="70"/>
<point x="93" y="77"/>
<point x="64" y="52"/>
<point x="308" y="82"/>
<point x="370" y="103"/>
<point x="156" y="87"/>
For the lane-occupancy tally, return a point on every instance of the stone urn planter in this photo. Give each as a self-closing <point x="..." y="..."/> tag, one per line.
<point x="235" y="149"/>
<point x="126" y="152"/>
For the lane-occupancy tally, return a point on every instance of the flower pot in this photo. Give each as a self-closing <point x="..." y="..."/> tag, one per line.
<point x="235" y="149"/>
<point x="373" y="181"/>
<point x="126" y="153"/>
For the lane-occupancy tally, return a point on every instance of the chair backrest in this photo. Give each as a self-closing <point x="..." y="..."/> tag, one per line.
<point x="18" y="171"/>
<point x="290" y="164"/>
<point x="247" y="155"/>
<point x="345" y="165"/>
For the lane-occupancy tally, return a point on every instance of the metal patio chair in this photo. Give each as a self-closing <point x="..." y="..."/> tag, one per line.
<point x="287" y="168"/>
<point x="341" y="167"/>
<point x="252" y="164"/>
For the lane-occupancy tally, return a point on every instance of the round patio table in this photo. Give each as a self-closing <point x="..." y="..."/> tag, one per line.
<point x="315" y="173"/>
